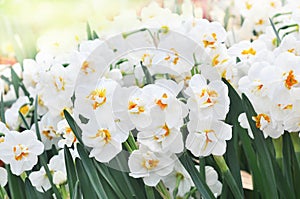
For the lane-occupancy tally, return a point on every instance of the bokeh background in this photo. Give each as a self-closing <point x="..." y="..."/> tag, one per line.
<point x="23" y="22"/>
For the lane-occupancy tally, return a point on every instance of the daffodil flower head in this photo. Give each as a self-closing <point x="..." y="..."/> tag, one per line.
<point x="20" y="150"/>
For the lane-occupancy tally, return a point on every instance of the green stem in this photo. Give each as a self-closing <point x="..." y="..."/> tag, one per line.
<point x="162" y="189"/>
<point x="132" y="142"/>
<point x="127" y="146"/>
<point x="227" y="176"/>
<point x="64" y="192"/>
<point x="278" y="150"/>
<point x="202" y="168"/>
<point x="3" y="193"/>
<point x="179" y="177"/>
<point x="149" y="192"/>
<point x="296" y="143"/>
<point x="190" y="193"/>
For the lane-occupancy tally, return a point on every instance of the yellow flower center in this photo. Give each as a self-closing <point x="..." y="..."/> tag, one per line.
<point x="150" y="164"/>
<point x="59" y="84"/>
<point x="24" y="109"/>
<point x="260" y="22"/>
<point x="160" y="103"/>
<point x="20" y="152"/>
<point x="134" y="108"/>
<point x="248" y="5"/>
<point x="211" y="94"/>
<point x="290" y="80"/>
<point x="215" y="61"/>
<point x="258" y="118"/>
<point x="211" y="42"/>
<point x="85" y="67"/>
<point x="98" y="96"/>
<point x="49" y="133"/>
<point x="166" y="132"/>
<point x="249" y="51"/>
<point x="104" y="134"/>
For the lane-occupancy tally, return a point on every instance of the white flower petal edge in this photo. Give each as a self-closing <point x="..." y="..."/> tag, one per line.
<point x="3" y="177"/>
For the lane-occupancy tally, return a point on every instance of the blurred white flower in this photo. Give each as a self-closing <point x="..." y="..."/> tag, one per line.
<point x="212" y="181"/>
<point x="39" y="180"/>
<point x="185" y="180"/>
<point x="13" y="120"/>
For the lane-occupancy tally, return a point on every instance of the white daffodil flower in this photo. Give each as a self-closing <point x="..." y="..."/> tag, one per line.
<point x="104" y="138"/>
<point x="212" y="181"/>
<point x="39" y="180"/>
<point x="13" y="120"/>
<point x="48" y="130"/>
<point x="268" y="125"/>
<point x="21" y="150"/>
<point x="58" y="168"/>
<point x="246" y="51"/>
<point x="208" y="99"/>
<point x="220" y="65"/>
<point x="162" y="139"/>
<point x="185" y="180"/>
<point x="68" y="137"/>
<point x="95" y="102"/>
<point x="59" y="81"/>
<point x="150" y="166"/>
<point x="283" y="78"/>
<point x="207" y="136"/>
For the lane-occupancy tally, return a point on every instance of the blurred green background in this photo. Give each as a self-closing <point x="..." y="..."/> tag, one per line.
<point x="23" y="21"/>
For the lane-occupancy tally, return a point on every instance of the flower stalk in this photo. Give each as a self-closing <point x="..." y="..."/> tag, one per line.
<point x="278" y="150"/>
<point x="296" y="144"/>
<point x="227" y="176"/>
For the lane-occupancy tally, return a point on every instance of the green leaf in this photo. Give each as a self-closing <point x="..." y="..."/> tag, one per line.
<point x="282" y="183"/>
<point x="24" y="121"/>
<point x="91" y="172"/>
<point x="276" y="32"/>
<point x="236" y="108"/>
<point x="15" y="81"/>
<point x="86" y="186"/>
<point x="30" y="190"/>
<point x="15" y="184"/>
<point x="149" y="78"/>
<point x="89" y="32"/>
<point x="76" y="192"/>
<point x="95" y="35"/>
<point x="71" y="172"/>
<point x="149" y="192"/>
<point x="226" y="18"/>
<point x="197" y="179"/>
<point x="227" y="176"/>
<point x="2" y="110"/>
<point x="104" y="171"/>
<point x="264" y="157"/>
<point x="75" y="128"/>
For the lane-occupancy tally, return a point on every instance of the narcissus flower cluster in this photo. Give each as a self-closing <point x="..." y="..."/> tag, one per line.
<point x="151" y="91"/>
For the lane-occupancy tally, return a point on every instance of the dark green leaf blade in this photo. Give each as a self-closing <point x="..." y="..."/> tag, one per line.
<point x="199" y="182"/>
<point x="91" y="172"/>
